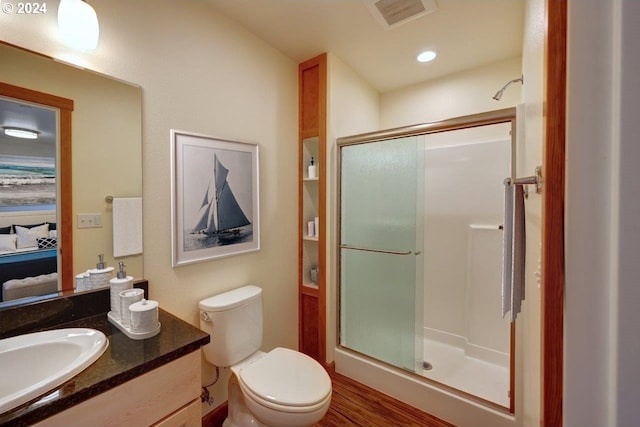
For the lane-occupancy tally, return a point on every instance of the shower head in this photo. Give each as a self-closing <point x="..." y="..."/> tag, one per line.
<point x="499" y="93"/>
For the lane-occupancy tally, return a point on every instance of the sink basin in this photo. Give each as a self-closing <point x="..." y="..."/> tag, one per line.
<point x="33" y="364"/>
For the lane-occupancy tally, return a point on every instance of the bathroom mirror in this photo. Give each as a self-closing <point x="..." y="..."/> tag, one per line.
<point x="105" y="157"/>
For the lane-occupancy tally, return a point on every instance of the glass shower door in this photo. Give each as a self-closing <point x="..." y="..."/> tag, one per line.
<point x="380" y="249"/>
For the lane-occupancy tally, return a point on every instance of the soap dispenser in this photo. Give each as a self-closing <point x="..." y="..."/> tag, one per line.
<point x="99" y="276"/>
<point x="122" y="274"/>
<point x="312" y="169"/>
<point x="121" y="283"/>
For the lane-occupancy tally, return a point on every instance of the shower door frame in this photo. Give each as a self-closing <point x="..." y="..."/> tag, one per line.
<point x="505" y="115"/>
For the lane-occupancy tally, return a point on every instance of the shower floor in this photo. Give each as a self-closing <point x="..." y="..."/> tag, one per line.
<point x="452" y="367"/>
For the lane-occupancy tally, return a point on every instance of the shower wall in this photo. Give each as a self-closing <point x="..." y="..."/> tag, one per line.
<point x="463" y="242"/>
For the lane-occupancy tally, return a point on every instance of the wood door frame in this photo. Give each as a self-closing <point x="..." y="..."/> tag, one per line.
<point x="552" y="298"/>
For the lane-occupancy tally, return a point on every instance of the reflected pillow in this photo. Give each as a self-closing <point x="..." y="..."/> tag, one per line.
<point x="53" y="233"/>
<point x="7" y="242"/>
<point x="29" y="225"/>
<point x="27" y="236"/>
<point x="5" y="230"/>
<point x="47" y="243"/>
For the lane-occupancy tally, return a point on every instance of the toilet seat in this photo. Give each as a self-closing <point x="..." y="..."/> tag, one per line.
<point x="287" y="381"/>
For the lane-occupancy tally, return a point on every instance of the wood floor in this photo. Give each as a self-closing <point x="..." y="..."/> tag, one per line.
<point x="353" y="404"/>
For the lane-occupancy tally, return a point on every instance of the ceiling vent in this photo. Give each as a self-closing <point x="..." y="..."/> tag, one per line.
<point x="392" y="13"/>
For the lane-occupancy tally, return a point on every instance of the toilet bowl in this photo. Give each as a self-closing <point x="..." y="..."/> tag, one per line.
<point x="281" y="388"/>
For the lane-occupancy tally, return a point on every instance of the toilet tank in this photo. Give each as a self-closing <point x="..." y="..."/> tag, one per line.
<point x="233" y="319"/>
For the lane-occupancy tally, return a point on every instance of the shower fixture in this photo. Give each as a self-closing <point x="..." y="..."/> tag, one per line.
<point x="499" y="93"/>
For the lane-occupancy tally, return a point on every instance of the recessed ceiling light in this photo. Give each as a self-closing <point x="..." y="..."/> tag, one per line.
<point x="426" y="56"/>
<point x="21" y="133"/>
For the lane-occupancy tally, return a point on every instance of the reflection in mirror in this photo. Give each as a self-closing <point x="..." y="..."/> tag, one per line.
<point x="28" y="232"/>
<point x="422" y="265"/>
<point x="104" y="153"/>
<point x="28" y="226"/>
<point x="34" y="215"/>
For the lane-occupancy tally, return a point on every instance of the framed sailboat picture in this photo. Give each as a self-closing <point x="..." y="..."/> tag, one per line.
<point x="214" y="198"/>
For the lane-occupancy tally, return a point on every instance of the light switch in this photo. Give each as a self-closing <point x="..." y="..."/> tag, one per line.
<point x="89" y="220"/>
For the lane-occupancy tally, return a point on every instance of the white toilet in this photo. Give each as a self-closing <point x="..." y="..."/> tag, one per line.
<point x="281" y="388"/>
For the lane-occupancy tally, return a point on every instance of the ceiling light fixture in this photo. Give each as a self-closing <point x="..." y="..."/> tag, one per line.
<point x="427" y="56"/>
<point x="78" y="24"/>
<point x="21" y="133"/>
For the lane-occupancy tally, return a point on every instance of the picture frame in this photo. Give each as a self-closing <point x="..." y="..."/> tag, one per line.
<point x="215" y="210"/>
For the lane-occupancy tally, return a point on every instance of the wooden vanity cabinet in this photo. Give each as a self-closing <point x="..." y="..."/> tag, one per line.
<point x="168" y="396"/>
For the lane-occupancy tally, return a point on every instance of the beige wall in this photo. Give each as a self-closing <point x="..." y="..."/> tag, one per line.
<point x="455" y="95"/>
<point x="353" y="108"/>
<point x="601" y="226"/>
<point x="202" y="73"/>
<point x="529" y="156"/>
<point x="107" y="153"/>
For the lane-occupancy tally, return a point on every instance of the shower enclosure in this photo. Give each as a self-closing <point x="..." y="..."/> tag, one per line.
<point x="420" y="252"/>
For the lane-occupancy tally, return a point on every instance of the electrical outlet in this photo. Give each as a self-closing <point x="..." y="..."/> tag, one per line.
<point x="89" y="220"/>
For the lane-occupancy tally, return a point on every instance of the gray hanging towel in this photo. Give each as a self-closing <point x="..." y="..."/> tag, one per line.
<point x="513" y="252"/>
<point x="507" y="247"/>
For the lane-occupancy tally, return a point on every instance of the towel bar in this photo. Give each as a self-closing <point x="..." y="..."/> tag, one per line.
<point x="380" y="251"/>
<point x="534" y="180"/>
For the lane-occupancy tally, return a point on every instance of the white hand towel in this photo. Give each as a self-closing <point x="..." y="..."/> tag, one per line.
<point x="127" y="226"/>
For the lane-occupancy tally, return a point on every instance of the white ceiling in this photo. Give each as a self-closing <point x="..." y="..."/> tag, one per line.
<point x="27" y="116"/>
<point x="466" y="34"/>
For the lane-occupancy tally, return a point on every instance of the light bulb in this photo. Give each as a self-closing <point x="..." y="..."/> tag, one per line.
<point x="78" y="24"/>
<point x="426" y="56"/>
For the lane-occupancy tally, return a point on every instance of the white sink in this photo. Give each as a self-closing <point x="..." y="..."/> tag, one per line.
<point x="33" y="364"/>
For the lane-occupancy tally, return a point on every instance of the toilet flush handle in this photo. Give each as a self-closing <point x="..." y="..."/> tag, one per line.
<point x="205" y="317"/>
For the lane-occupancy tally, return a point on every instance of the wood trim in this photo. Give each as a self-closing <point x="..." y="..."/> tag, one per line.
<point x="322" y="196"/>
<point x="216" y="417"/>
<point x="65" y="204"/>
<point x="552" y="299"/>
<point x="65" y="216"/>
<point x="308" y="290"/>
<point x="36" y="97"/>
<point x="512" y="368"/>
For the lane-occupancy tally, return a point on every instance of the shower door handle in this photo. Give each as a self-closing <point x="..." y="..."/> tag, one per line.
<point x="380" y="251"/>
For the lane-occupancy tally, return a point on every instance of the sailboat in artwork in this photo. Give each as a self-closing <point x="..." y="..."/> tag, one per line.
<point x="221" y="213"/>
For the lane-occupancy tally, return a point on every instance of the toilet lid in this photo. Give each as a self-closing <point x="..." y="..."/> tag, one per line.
<point x="287" y="378"/>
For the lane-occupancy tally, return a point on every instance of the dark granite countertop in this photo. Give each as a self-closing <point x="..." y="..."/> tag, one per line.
<point x="122" y="361"/>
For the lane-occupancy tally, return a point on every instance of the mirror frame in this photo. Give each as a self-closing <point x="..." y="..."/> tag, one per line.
<point x="64" y="204"/>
